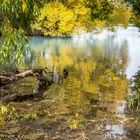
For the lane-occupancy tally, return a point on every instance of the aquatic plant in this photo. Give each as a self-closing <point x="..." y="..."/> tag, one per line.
<point x="133" y="101"/>
<point x="74" y="122"/>
<point x="9" y="113"/>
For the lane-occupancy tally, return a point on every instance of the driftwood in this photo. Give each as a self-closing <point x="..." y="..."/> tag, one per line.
<point x="43" y="84"/>
<point x="10" y="77"/>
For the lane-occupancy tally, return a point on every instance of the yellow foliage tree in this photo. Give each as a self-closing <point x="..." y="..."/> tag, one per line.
<point x="120" y="16"/>
<point x="55" y="19"/>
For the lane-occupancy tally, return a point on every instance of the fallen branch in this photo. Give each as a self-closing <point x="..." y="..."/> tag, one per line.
<point x="10" y="77"/>
<point x="42" y="86"/>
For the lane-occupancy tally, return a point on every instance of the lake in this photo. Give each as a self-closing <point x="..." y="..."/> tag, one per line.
<point x="98" y="64"/>
<point x="106" y="45"/>
<point x="93" y="95"/>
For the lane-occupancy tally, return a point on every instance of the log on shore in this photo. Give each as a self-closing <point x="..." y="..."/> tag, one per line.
<point x="42" y="86"/>
<point x="10" y="77"/>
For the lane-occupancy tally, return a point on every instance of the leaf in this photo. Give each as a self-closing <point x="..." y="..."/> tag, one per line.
<point x="24" y="6"/>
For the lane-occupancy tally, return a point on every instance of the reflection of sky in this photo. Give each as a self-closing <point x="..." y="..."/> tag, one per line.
<point x="81" y="54"/>
<point x="121" y="106"/>
<point x="117" y="130"/>
<point x="133" y="37"/>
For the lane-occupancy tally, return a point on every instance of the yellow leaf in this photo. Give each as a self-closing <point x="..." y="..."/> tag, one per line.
<point x="3" y="110"/>
<point x="76" y="115"/>
<point x="24" y="6"/>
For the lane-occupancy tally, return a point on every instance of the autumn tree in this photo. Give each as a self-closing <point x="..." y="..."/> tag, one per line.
<point x="56" y="19"/>
<point x="120" y="16"/>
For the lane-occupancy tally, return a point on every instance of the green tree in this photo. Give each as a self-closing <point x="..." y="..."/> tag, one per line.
<point x="19" y="13"/>
<point x="135" y="4"/>
<point x="16" y="18"/>
<point x="136" y="10"/>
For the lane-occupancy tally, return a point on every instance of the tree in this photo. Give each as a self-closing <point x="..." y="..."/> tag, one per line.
<point x="76" y="16"/>
<point x="17" y="15"/>
<point x="56" y="19"/>
<point x="135" y="4"/>
<point x="120" y="16"/>
<point x="136" y="10"/>
<point x="100" y="9"/>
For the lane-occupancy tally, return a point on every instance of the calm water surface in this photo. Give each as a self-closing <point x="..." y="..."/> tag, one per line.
<point x="99" y="67"/>
<point x="96" y="88"/>
<point x="97" y="64"/>
<point x="122" y="46"/>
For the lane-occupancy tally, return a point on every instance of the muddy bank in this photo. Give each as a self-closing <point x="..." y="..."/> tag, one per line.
<point x="51" y="124"/>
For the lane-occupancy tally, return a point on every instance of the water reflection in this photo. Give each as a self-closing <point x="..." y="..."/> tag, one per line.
<point x="97" y="69"/>
<point x="90" y="77"/>
<point x="116" y="130"/>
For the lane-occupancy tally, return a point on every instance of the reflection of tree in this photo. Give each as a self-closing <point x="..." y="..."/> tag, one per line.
<point x="31" y="59"/>
<point x="95" y="71"/>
